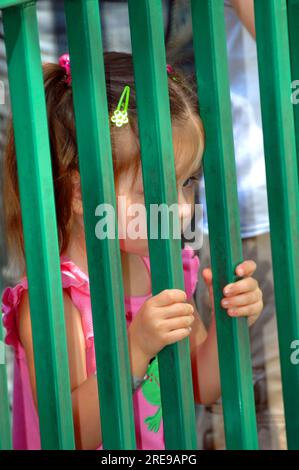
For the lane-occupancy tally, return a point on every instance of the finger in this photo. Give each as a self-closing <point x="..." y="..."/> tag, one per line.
<point x="207" y="276"/>
<point x="242" y="299"/>
<point x="176" y="310"/>
<point x="178" y="323"/>
<point x="248" y="311"/>
<point x="177" y="335"/>
<point x="245" y="269"/>
<point x="240" y="287"/>
<point x="168" y="297"/>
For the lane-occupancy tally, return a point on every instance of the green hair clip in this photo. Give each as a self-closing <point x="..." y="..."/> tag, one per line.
<point x="120" y="115"/>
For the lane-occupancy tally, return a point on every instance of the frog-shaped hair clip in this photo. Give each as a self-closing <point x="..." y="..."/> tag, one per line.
<point x="120" y="115"/>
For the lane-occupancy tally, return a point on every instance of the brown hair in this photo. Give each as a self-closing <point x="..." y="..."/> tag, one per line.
<point x="63" y="146"/>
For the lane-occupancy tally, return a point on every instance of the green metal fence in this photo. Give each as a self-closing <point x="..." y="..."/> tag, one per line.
<point x="96" y="169"/>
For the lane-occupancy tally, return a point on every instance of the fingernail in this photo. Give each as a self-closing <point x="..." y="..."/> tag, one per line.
<point x="227" y="290"/>
<point x="225" y="303"/>
<point x="232" y="313"/>
<point x="240" y="271"/>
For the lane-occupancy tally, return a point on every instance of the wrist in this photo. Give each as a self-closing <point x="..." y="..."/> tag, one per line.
<point x="138" y="358"/>
<point x="136" y="382"/>
<point x="135" y="346"/>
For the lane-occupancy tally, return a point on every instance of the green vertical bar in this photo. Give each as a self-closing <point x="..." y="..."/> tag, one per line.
<point x="283" y="194"/>
<point x="39" y="225"/>
<point x="10" y="3"/>
<point x="146" y="22"/>
<point x="104" y="262"/>
<point x="5" y="429"/>
<point x="223" y="218"/>
<point x="293" y="22"/>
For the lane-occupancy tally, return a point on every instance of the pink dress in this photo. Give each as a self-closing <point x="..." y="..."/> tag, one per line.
<point x="146" y="400"/>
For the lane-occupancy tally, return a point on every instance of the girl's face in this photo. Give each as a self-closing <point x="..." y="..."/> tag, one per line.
<point x="132" y="221"/>
<point x="132" y="225"/>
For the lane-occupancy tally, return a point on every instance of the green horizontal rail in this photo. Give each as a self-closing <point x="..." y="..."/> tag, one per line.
<point x="39" y="226"/>
<point x="104" y="262"/>
<point x="283" y="194"/>
<point x="147" y="34"/>
<point x="223" y="219"/>
<point x="5" y="429"/>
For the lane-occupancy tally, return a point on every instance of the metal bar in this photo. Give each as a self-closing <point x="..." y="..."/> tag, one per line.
<point x="12" y="3"/>
<point x="223" y="218"/>
<point x="104" y="263"/>
<point x="293" y="21"/>
<point x="39" y="226"/>
<point x="146" y="23"/>
<point x="283" y="194"/>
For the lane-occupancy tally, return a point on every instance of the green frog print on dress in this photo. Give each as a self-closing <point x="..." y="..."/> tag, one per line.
<point x="151" y="391"/>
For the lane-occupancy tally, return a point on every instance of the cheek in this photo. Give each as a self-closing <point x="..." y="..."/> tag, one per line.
<point x="131" y="216"/>
<point x="122" y="204"/>
<point x="187" y="197"/>
<point x="186" y="209"/>
<point x="138" y="247"/>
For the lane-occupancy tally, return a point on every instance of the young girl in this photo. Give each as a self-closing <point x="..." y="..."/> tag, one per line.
<point x="152" y="321"/>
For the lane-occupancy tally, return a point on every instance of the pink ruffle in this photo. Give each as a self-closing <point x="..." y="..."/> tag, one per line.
<point x="11" y="298"/>
<point x="77" y="284"/>
<point x="72" y="277"/>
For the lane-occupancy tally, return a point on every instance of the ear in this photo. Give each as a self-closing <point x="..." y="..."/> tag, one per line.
<point x="77" y="206"/>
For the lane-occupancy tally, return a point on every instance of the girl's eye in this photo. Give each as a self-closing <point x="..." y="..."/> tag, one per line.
<point x="190" y="181"/>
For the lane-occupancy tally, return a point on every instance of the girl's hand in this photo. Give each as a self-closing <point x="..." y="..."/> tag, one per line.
<point x="242" y="298"/>
<point x="163" y="319"/>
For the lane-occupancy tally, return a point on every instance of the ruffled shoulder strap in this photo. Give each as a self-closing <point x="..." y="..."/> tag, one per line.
<point x="76" y="283"/>
<point x="73" y="280"/>
<point x="11" y="297"/>
<point x="72" y="276"/>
